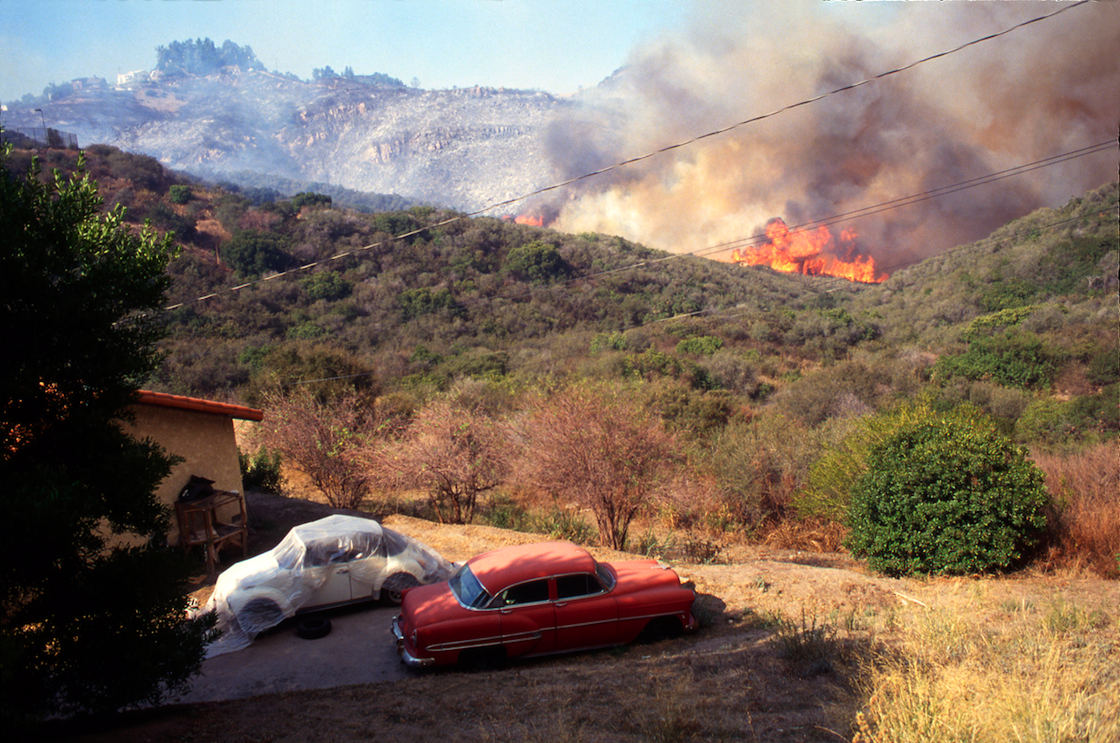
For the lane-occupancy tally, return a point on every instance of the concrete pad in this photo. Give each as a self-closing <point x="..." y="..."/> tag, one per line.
<point x="359" y="650"/>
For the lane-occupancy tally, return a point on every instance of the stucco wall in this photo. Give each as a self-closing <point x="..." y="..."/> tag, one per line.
<point x="205" y="442"/>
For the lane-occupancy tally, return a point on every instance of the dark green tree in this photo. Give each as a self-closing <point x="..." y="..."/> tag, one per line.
<point x="254" y="252"/>
<point x="947" y="494"/>
<point x="202" y="57"/>
<point x="87" y="623"/>
<point x="537" y="262"/>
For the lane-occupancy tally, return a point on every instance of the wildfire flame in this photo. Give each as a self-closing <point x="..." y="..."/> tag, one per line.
<point x="534" y="220"/>
<point x="811" y="252"/>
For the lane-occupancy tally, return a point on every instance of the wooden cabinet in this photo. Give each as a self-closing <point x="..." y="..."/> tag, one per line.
<point x="212" y="523"/>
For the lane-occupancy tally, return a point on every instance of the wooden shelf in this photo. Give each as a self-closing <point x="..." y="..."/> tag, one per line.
<point x="200" y="525"/>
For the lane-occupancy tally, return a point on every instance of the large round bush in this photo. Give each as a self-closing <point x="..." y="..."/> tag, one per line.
<point x="947" y="495"/>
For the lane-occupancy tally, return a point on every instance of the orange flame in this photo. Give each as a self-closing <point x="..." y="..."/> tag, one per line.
<point x="811" y="252"/>
<point x="529" y="218"/>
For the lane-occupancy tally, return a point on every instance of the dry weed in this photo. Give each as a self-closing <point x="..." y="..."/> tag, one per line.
<point x="1084" y="531"/>
<point x="808" y="536"/>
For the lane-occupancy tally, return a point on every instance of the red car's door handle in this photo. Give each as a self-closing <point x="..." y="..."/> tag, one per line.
<point x="561" y="604"/>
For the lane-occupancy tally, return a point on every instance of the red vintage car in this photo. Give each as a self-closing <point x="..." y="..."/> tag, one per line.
<point x="539" y="599"/>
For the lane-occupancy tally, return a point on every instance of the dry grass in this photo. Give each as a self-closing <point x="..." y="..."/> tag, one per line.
<point x="1084" y="530"/>
<point x="808" y="535"/>
<point x="1042" y="677"/>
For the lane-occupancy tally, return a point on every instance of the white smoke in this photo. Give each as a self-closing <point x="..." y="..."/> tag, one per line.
<point x="1047" y="88"/>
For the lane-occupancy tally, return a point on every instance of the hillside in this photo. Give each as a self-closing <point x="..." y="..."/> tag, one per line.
<point x="493" y="299"/>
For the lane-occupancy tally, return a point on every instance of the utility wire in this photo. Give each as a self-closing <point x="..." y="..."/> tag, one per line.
<point x="631" y="161"/>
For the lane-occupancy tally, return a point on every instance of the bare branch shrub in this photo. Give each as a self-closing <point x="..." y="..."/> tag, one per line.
<point x="323" y="440"/>
<point x="456" y="452"/>
<point x="1084" y="521"/>
<point x="599" y="449"/>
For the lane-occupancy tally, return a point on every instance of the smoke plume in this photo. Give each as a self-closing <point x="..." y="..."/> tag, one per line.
<point x="1047" y="88"/>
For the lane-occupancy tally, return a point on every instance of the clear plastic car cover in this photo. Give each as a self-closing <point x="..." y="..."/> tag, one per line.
<point x="330" y="561"/>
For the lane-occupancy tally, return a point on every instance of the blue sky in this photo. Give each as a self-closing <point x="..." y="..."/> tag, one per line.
<point x="553" y="45"/>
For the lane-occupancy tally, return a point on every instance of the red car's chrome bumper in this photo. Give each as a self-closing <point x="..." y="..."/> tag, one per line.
<point x="406" y="657"/>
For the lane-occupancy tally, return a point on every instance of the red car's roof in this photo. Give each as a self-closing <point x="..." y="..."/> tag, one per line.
<point x="509" y="565"/>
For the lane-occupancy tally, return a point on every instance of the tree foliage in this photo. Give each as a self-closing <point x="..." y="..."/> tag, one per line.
<point x="594" y="448"/>
<point x="537" y="262"/>
<point x="254" y="252"/>
<point x="88" y="624"/>
<point x="456" y="452"/>
<point x="322" y="439"/>
<point x="948" y="494"/>
<point x="202" y="57"/>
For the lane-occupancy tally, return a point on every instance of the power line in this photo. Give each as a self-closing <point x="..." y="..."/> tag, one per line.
<point x="631" y="161"/>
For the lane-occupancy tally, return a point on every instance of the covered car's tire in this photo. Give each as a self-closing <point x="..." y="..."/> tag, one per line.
<point x="259" y="615"/>
<point x="312" y="628"/>
<point x="392" y="590"/>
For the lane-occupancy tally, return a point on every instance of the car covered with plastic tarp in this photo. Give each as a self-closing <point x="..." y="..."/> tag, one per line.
<point x="334" y="561"/>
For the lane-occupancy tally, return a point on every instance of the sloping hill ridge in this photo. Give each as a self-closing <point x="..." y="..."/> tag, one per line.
<point x="464" y="148"/>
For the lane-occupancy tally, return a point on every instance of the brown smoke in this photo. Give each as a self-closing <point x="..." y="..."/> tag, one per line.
<point x="1048" y="88"/>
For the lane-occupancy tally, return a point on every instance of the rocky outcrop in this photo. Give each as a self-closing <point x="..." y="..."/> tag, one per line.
<point x="464" y="148"/>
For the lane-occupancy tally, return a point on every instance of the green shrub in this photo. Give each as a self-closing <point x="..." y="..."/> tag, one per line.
<point x="306" y="331"/>
<point x="946" y="495"/>
<point x="1104" y="366"/>
<point x="309" y="198"/>
<point x="700" y="346"/>
<point x="179" y="194"/>
<point x="504" y="512"/>
<point x="1046" y="420"/>
<point x="564" y="523"/>
<point x="253" y="252"/>
<point x="327" y="285"/>
<point x="832" y="476"/>
<point x="1055" y="423"/>
<point x="423" y="301"/>
<point x="1014" y="359"/>
<point x="261" y="470"/>
<point x="537" y="262"/>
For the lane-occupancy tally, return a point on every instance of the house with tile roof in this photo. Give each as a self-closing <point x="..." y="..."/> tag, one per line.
<point x="201" y="434"/>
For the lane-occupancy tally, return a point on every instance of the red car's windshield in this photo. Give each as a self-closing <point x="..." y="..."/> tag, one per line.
<point x="605" y="575"/>
<point x="467" y="590"/>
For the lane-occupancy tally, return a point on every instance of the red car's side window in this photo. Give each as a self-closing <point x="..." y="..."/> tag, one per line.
<point x="533" y="592"/>
<point x="574" y="586"/>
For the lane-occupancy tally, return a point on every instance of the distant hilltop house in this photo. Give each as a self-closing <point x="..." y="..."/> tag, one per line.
<point x="129" y="79"/>
<point x="89" y="84"/>
<point x="204" y="489"/>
